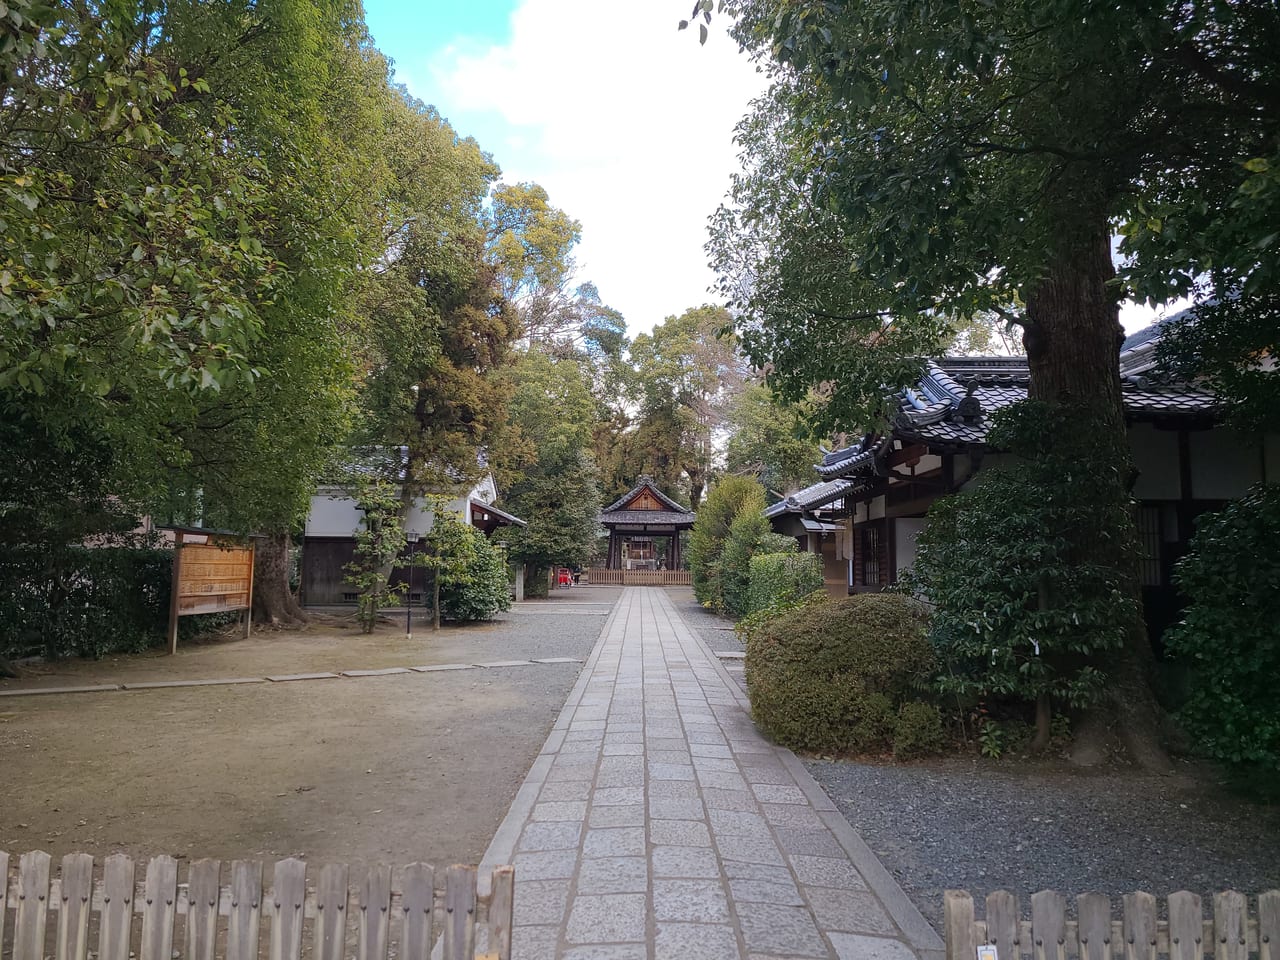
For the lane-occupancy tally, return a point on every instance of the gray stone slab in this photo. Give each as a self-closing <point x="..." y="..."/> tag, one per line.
<point x="555" y="660"/>
<point x="623" y="749"/>
<point x="606" y="951"/>
<point x="775" y="928"/>
<point x="670" y="771"/>
<point x="810" y="841"/>
<point x="765" y="891"/>
<point x="550" y="865"/>
<point x="791" y="815"/>
<point x="736" y="823"/>
<point x="286" y="677"/>
<point x="674" y="808"/>
<point x="778" y="793"/>
<point x="440" y="667"/>
<point x="560" y="810"/>
<point x="717" y="798"/>
<point x="678" y="789"/>
<point x="850" y="946"/>
<point x="534" y="943"/>
<point x="551" y="835"/>
<point x="41" y="691"/>
<point x="565" y="790"/>
<point x="721" y="780"/>
<point x="617" y="815"/>
<point x="155" y="684"/>
<point x="731" y="655"/>
<point x="668" y="756"/>
<point x="827" y="872"/>
<point x="606" y="918"/>
<point x="717" y="750"/>
<point x="614" y="875"/>
<point x="699" y="901"/>
<point x="693" y="862"/>
<point x="504" y="663"/>
<point x="737" y="870"/>
<point x="679" y="833"/>
<point x="384" y="672"/>
<point x="849" y="910"/>
<point x="614" y="842"/>
<point x="612" y="796"/>
<point x="541" y="901"/>
<point x="685" y="941"/>
<point x="749" y="849"/>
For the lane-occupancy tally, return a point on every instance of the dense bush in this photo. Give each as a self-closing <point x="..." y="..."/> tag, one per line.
<point x="778" y="580"/>
<point x="832" y="675"/>
<point x="728" y="499"/>
<point x="1021" y="608"/>
<point x="1230" y="635"/>
<point x="749" y="535"/>
<point x="78" y="601"/>
<point x="481" y="589"/>
<point x="917" y="731"/>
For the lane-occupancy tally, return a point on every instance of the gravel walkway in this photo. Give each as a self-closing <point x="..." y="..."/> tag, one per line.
<point x="981" y="825"/>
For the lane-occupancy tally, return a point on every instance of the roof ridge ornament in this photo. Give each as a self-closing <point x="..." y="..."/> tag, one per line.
<point x="969" y="410"/>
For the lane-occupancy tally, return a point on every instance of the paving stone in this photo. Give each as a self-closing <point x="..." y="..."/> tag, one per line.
<point x="849" y="910"/>
<point x="612" y="736"/>
<point x="765" y="891"/>
<point x="614" y="875"/>
<point x="616" y="726"/>
<point x="612" y="796"/>
<point x="735" y="823"/>
<point x="605" y="918"/>
<point x="727" y="764"/>
<point x="777" y="793"/>
<point x="850" y="946"/>
<point x="668" y="730"/>
<point x="559" y="835"/>
<point x="737" y="870"/>
<point x="617" y="815"/>
<point x="721" y="751"/>
<point x="682" y="941"/>
<point x="594" y="736"/>
<point x="550" y="865"/>
<point x="541" y="901"/>
<point x="556" y="660"/>
<point x="623" y="749"/>
<point x="38" y="691"/>
<point x="696" y="862"/>
<point x="534" y="943"/>
<point x="619" y="778"/>
<point x="791" y="815"/>
<point x="286" y="677"/>
<point x="614" y="842"/>
<point x="678" y="789"/>
<point x="781" y="929"/>
<point x="817" y="842"/>
<point x="669" y="756"/>
<point x="721" y="780"/>
<point x="720" y="799"/>
<point x="827" y="872"/>
<point x="560" y="810"/>
<point x="730" y="654"/>
<point x="701" y="901"/>
<point x="385" y="672"/>
<point x="752" y="745"/>
<point x="709" y="735"/>
<point x="679" y="833"/>
<point x="565" y="790"/>
<point x="606" y="951"/>
<point x="749" y="849"/>
<point x="771" y="774"/>
<point x="440" y="667"/>
<point x="670" y="771"/>
<point x="576" y="724"/>
<point x="572" y="771"/>
<point x="622" y="764"/>
<point x="674" y="808"/>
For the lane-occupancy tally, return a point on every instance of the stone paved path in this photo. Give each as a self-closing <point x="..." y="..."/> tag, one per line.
<point x="657" y="823"/>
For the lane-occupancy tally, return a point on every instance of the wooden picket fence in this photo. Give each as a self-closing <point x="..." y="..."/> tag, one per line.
<point x="639" y="578"/>
<point x="127" y="920"/>
<point x="1140" y="934"/>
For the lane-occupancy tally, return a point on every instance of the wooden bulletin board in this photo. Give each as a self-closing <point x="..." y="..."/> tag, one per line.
<point x="211" y="574"/>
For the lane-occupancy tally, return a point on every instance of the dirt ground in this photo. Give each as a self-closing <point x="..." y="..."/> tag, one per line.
<point x="418" y="766"/>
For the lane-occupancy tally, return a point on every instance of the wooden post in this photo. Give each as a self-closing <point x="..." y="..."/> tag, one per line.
<point x="460" y="913"/>
<point x="501" y="903"/>
<point x="246" y="910"/>
<point x="202" y="909"/>
<point x="375" y="914"/>
<point x="73" y="916"/>
<point x="1002" y="923"/>
<point x="1049" y="926"/>
<point x="173" y="599"/>
<point x="161" y="888"/>
<point x="1229" y="926"/>
<point x="1186" y="926"/>
<point x="248" y="597"/>
<point x="417" y="899"/>
<point x="115" y="924"/>
<point x="33" y="906"/>
<point x="958" y="924"/>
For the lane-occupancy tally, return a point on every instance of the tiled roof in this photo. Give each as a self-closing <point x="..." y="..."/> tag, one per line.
<point x="652" y="517"/>
<point x="645" y="481"/>
<point x="940" y="408"/>
<point x="811" y="497"/>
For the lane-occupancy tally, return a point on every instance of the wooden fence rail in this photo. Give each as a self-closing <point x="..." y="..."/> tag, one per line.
<point x="639" y="578"/>
<point x="401" y="911"/>
<point x="1140" y="934"/>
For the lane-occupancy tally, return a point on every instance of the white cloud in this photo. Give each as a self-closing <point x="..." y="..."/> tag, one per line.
<point x="626" y="122"/>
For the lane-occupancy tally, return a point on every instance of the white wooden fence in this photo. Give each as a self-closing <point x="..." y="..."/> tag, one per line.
<point x="116" y="918"/>
<point x="1139" y="934"/>
<point x="639" y="578"/>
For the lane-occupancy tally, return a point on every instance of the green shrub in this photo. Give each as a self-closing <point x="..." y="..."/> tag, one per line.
<point x="749" y="535"/>
<point x="725" y="501"/>
<point x="831" y="675"/>
<point x="778" y="580"/>
<point x="482" y="589"/>
<point x="1230" y="635"/>
<point x="87" y="602"/>
<point x="917" y="731"/>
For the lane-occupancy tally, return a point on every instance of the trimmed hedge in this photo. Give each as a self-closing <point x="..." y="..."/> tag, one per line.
<point x="832" y="676"/>
<point x="483" y="590"/>
<point x="749" y="535"/>
<point x="87" y="602"/>
<point x="779" y="580"/>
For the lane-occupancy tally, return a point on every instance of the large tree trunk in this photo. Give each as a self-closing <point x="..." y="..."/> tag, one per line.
<point x="273" y="601"/>
<point x="1073" y="340"/>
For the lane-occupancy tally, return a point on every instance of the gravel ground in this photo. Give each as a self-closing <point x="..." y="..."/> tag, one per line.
<point x="715" y="630"/>
<point x="981" y="825"/>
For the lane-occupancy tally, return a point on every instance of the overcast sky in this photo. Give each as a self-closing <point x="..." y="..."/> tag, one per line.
<point x="624" y="120"/>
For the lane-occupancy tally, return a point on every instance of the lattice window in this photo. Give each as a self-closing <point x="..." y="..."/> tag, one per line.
<point x="870" y="554"/>
<point x="1150" y="539"/>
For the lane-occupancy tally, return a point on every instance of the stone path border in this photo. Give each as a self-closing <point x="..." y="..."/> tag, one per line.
<point x="281" y="678"/>
<point x="658" y="823"/>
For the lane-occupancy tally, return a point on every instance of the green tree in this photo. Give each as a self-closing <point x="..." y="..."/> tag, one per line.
<point x="379" y="541"/>
<point x="728" y="499"/>
<point x="770" y="441"/>
<point x="450" y="551"/>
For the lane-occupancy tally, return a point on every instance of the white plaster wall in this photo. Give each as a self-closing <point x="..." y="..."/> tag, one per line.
<point x="1155" y="454"/>
<point x="875" y="509"/>
<point x="1223" y="464"/>
<point x="332" y="515"/>
<point x="906" y="529"/>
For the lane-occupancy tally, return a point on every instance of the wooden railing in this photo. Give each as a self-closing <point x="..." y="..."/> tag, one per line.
<point x="1093" y="935"/>
<point x="639" y="578"/>
<point x="385" y="911"/>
